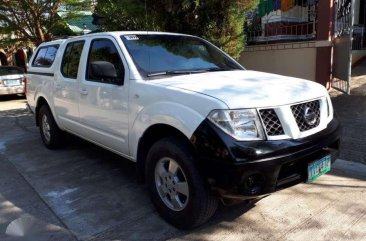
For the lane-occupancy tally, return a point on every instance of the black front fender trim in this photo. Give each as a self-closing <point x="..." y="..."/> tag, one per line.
<point x="228" y="164"/>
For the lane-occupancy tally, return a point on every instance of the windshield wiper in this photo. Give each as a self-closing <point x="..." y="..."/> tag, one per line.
<point x="176" y="72"/>
<point x="215" y="69"/>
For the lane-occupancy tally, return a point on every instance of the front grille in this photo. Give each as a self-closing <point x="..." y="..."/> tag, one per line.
<point x="307" y="115"/>
<point x="271" y="122"/>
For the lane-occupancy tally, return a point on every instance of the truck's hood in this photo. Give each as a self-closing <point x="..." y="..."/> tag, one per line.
<point x="247" y="89"/>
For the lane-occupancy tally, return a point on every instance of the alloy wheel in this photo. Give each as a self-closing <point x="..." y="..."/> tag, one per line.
<point x="46" y="130"/>
<point x="171" y="183"/>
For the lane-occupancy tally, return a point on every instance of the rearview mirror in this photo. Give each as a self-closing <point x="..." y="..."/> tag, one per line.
<point x="104" y="71"/>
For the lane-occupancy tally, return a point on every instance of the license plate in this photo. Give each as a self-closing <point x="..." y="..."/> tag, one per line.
<point x="318" y="168"/>
<point x="11" y="82"/>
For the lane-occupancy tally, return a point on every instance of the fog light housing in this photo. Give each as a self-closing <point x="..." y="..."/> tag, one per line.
<point x="252" y="184"/>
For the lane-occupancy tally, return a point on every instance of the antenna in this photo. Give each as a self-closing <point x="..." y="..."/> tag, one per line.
<point x="146" y="16"/>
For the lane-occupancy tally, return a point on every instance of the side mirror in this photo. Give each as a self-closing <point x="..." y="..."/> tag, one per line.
<point x="105" y="71"/>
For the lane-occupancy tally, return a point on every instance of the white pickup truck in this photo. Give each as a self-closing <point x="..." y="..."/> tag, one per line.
<point x="198" y="125"/>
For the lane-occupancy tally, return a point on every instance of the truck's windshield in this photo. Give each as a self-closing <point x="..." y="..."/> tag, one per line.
<point x="161" y="54"/>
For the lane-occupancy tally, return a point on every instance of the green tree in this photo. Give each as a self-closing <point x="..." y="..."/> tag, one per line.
<point x="220" y="21"/>
<point x="123" y="15"/>
<point x="34" y="20"/>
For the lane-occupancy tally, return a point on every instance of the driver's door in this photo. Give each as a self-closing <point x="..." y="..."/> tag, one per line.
<point x="103" y="104"/>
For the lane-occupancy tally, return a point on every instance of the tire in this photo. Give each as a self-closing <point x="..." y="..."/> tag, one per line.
<point x="193" y="203"/>
<point x="50" y="133"/>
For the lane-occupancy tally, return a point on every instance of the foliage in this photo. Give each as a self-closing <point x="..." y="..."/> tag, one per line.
<point x="220" y="21"/>
<point x="33" y="20"/>
<point x="123" y="15"/>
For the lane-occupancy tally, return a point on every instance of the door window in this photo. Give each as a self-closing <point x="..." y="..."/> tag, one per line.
<point x="71" y="59"/>
<point x="45" y="56"/>
<point x="104" y="51"/>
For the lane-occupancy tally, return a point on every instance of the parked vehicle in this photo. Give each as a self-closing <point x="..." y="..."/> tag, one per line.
<point x="11" y="80"/>
<point x="198" y="125"/>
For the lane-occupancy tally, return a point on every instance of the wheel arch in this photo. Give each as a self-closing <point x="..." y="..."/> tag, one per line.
<point x="180" y="117"/>
<point x="40" y="102"/>
<point x="159" y="120"/>
<point x="152" y="135"/>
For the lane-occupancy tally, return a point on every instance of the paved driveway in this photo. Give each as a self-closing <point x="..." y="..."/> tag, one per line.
<point x="82" y="192"/>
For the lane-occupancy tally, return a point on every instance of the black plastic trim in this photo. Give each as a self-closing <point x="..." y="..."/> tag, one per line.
<point x="226" y="162"/>
<point x="40" y="73"/>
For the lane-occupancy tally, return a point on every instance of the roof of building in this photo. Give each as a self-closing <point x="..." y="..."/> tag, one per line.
<point x="80" y="23"/>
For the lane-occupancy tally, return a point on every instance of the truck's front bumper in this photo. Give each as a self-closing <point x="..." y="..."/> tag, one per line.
<point x="238" y="169"/>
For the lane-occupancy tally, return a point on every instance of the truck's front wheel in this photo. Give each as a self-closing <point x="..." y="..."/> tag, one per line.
<point x="177" y="189"/>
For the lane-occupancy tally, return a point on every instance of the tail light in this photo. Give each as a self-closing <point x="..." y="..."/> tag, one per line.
<point x="25" y="85"/>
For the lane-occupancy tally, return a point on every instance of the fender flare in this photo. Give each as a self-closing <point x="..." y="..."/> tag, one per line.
<point x="37" y="100"/>
<point x="178" y="116"/>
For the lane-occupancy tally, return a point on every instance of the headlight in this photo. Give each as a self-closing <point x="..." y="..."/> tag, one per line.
<point x="243" y="125"/>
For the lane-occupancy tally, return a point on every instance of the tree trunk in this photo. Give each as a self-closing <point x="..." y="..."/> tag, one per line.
<point x="39" y="33"/>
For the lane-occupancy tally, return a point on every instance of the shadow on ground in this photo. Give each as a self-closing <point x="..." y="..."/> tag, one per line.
<point x="91" y="191"/>
<point x="4" y="98"/>
<point x="351" y="109"/>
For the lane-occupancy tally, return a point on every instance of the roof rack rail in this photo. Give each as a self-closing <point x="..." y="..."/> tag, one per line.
<point x="62" y="37"/>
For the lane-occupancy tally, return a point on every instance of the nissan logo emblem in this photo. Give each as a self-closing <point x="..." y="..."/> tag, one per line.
<point x="309" y="116"/>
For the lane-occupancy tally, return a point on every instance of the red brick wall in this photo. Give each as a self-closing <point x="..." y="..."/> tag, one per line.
<point x="324" y="32"/>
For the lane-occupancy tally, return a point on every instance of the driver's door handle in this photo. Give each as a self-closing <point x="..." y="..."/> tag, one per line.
<point x="83" y="92"/>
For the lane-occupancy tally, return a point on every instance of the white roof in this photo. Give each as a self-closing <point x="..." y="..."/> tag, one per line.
<point x="119" y="33"/>
<point x="115" y="34"/>
<point x="53" y="42"/>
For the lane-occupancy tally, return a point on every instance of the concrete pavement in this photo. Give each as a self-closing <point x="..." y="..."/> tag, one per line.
<point x="351" y="109"/>
<point x="82" y="192"/>
<point x="21" y="204"/>
<point x="11" y="102"/>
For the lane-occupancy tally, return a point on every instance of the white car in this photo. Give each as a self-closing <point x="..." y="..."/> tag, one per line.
<point x="11" y="80"/>
<point x="198" y="125"/>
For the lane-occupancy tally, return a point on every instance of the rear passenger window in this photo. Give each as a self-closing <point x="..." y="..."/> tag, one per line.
<point x="45" y="56"/>
<point x="71" y="59"/>
<point x="104" y="50"/>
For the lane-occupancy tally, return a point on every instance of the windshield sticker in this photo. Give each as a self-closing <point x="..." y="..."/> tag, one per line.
<point x="131" y="37"/>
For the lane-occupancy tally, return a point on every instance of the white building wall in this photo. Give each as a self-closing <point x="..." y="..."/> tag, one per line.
<point x="294" y="59"/>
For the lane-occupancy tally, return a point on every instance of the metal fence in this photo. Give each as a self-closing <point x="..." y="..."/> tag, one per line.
<point x="284" y="33"/>
<point x="359" y="37"/>
<point x="277" y="21"/>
